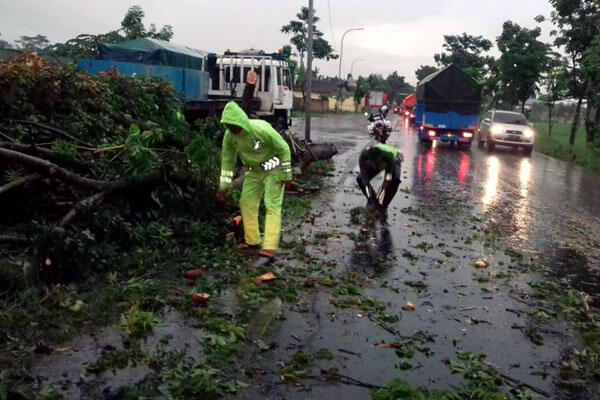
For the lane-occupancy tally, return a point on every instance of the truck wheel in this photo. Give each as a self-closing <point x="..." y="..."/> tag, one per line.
<point x="479" y="141"/>
<point x="464" y="146"/>
<point x="527" y="150"/>
<point x="490" y="145"/>
<point x="426" y="143"/>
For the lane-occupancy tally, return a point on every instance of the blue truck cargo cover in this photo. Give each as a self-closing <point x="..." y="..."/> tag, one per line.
<point x="193" y="84"/>
<point x="155" y="52"/>
<point x="449" y="90"/>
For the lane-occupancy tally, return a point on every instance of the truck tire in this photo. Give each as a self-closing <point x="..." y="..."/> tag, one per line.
<point x="490" y="145"/>
<point x="426" y="143"/>
<point x="527" y="150"/>
<point x="464" y="146"/>
<point x="479" y="141"/>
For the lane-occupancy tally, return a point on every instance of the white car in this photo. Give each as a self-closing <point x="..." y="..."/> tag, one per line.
<point x="506" y="128"/>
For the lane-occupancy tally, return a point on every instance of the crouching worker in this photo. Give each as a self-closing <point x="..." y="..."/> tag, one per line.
<point x="267" y="156"/>
<point x="374" y="159"/>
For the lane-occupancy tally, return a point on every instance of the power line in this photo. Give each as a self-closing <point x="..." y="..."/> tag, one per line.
<point x="331" y="25"/>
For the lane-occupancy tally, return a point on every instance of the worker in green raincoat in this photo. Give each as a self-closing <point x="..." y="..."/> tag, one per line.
<point x="374" y="159"/>
<point x="267" y="156"/>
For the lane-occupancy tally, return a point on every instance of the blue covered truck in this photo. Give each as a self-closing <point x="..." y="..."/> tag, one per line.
<point x="206" y="80"/>
<point x="447" y="108"/>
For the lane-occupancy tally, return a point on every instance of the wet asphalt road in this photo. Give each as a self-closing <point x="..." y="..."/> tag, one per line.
<point x="544" y="208"/>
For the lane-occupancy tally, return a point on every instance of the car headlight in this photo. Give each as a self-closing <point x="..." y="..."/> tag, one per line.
<point x="528" y="133"/>
<point x="496" y="129"/>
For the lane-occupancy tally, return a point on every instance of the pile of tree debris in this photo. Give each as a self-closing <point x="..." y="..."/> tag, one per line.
<point x="81" y="156"/>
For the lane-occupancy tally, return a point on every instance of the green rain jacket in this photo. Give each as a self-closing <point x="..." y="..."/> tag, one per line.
<point x="256" y="143"/>
<point x="385" y="156"/>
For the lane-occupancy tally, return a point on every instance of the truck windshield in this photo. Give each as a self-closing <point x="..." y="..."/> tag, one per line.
<point x="510" y="118"/>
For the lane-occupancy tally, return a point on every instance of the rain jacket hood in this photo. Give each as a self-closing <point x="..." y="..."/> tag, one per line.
<point x="234" y="115"/>
<point x="256" y="145"/>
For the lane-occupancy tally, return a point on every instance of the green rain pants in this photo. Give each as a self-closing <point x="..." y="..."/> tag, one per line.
<point x="255" y="184"/>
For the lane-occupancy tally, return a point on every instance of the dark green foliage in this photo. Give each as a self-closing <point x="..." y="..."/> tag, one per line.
<point x="116" y="359"/>
<point x="11" y="279"/>
<point x="63" y="255"/>
<point x="424" y="71"/>
<point x="466" y="52"/>
<point x="298" y="29"/>
<point x="197" y="381"/>
<point x="521" y="64"/>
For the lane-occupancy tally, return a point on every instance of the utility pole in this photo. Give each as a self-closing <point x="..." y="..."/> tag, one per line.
<point x="309" y="57"/>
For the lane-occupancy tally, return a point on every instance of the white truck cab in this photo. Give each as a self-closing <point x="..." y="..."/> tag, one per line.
<point x="273" y="89"/>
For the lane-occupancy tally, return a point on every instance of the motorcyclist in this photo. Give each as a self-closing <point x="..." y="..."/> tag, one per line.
<point x="380" y="128"/>
<point x="384" y="110"/>
<point x="374" y="159"/>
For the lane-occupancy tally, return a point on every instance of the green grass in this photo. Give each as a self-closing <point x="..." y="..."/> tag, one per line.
<point x="558" y="145"/>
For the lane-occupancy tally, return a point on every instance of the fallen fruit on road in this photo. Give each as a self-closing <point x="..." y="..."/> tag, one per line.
<point x="481" y="264"/>
<point x="237" y="220"/>
<point x="387" y="345"/>
<point x="194" y="274"/>
<point x="267" y="277"/>
<point x="48" y="262"/>
<point x="410" y="306"/>
<point x="200" y="298"/>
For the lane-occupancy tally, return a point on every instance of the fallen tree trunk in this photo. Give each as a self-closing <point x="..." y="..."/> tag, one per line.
<point x="49" y="129"/>
<point x="40" y="151"/>
<point x="19" y="182"/>
<point x="316" y="152"/>
<point x="13" y="239"/>
<point x="310" y="151"/>
<point x="52" y="170"/>
<point x="88" y="201"/>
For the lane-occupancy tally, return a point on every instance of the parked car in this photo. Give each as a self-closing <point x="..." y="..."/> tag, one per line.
<point x="506" y="128"/>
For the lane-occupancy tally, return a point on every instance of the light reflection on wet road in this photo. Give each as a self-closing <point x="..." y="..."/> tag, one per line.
<point x="540" y="205"/>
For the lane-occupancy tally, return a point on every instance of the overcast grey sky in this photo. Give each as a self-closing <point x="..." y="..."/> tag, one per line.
<point x="399" y="35"/>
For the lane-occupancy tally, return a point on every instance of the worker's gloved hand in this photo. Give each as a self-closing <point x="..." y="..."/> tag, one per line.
<point x="288" y="184"/>
<point x="251" y="78"/>
<point x="270" y="164"/>
<point x="221" y="196"/>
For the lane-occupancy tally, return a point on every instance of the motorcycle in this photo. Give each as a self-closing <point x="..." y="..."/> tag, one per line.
<point x="379" y="127"/>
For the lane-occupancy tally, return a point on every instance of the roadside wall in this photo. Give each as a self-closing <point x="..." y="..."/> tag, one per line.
<point x="327" y="103"/>
<point x="318" y="103"/>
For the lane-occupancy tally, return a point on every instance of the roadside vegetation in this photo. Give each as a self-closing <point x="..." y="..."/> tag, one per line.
<point x="557" y="145"/>
<point x="107" y="201"/>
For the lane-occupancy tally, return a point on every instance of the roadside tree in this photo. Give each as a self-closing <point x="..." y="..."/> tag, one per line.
<point x="578" y="23"/>
<point x="466" y="52"/>
<point x="424" y="71"/>
<point x="32" y="43"/>
<point x="4" y="44"/>
<point x="398" y="87"/>
<point x="555" y="86"/>
<point x="523" y="60"/>
<point x="299" y="31"/>
<point x="133" y="26"/>
<point x="592" y="67"/>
